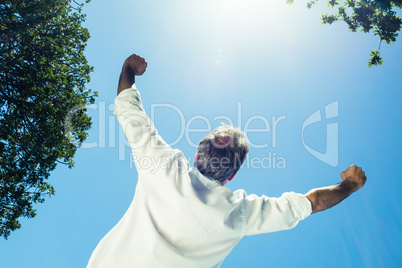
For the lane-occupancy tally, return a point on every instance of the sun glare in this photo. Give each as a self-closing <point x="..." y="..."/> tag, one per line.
<point x="242" y="12"/>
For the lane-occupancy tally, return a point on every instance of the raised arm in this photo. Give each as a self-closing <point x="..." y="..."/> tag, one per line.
<point x="133" y="66"/>
<point x="150" y="151"/>
<point x="327" y="197"/>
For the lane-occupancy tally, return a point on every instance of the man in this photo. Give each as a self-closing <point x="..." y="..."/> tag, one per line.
<point x="182" y="217"/>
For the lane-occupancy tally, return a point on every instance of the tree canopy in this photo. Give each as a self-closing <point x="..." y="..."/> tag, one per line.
<point x="43" y="94"/>
<point x="376" y="16"/>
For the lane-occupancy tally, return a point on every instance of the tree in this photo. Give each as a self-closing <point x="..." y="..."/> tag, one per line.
<point x="378" y="16"/>
<point x="43" y="94"/>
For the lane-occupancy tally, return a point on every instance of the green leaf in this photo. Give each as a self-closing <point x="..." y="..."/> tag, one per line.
<point x="328" y="19"/>
<point x="375" y="58"/>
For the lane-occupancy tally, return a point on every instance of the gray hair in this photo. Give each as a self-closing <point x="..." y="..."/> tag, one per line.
<point x="221" y="152"/>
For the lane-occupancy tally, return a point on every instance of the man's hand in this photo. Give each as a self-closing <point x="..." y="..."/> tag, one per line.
<point x="137" y="64"/>
<point x="355" y="176"/>
<point x="133" y="66"/>
<point x="326" y="197"/>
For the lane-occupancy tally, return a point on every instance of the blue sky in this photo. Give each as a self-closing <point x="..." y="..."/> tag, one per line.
<point x="208" y="59"/>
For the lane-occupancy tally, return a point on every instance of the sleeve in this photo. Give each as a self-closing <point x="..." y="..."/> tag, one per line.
<point x="147" y="146"/>
<point x="264" y="214"/>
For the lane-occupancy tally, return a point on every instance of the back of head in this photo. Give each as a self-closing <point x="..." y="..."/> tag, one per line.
<point x="221" y="153"/>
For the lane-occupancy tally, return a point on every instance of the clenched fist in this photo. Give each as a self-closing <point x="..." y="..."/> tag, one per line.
<point x="136" y="64"/>
<point x="133" y="66"/>
<point x="355" y="176"/>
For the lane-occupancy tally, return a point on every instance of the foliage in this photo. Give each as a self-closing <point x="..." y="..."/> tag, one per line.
<point x="43" y="73"/>
<point x="378" y="16"/>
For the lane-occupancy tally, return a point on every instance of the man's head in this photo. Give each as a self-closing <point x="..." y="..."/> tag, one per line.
<point x="221" y="153"/>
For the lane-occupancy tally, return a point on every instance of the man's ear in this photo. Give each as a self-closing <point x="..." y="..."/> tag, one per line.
<point x="234" y="174"/>
<point x="195" y="157"/>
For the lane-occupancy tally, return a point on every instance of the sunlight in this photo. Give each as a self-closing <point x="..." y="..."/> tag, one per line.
<point x="241" y="14"/>
<point x="238" y="23"/>
<point x="234" y="30"/>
